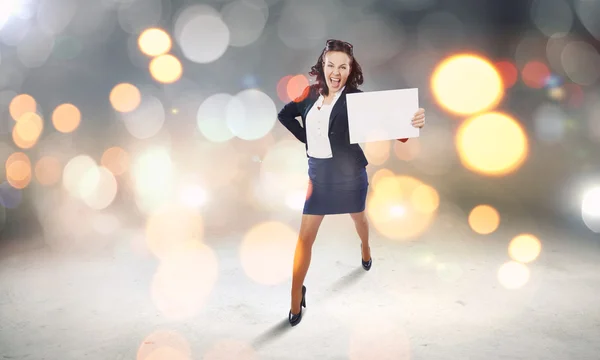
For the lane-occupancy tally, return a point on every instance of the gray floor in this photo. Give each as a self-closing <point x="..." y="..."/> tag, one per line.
<point x="437" y="297"/>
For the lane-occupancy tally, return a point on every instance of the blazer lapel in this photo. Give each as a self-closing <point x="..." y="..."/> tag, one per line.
<point x="340" y="105"/>
<point x="309" y="106"/>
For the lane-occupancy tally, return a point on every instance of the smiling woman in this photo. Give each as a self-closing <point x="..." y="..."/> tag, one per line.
<point x="338" y="181"/>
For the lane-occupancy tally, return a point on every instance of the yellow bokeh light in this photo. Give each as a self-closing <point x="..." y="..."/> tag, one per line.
<point x="425" y="199"/>
<point x="267" y="252"/>
<point x="166" y="69"/>
<point x="66" y="118"/>
<point x="378" y="152"/>
<point x="154" y="42"/>
<point x="18" y="170"/>
<point x="524" y="248"/>
<point x="27" y="130"/>
<point x="402" y="207"/>
<point x="513" y="275"/>
<point x="466" y="84"/>
<point x="22" y="104"/>
<point x="173" y="228"/>
<point x="492" y="144"/>
<point x="484" y="219"/>
<point x="125" y="97"/>
<point x="48" y="170"/>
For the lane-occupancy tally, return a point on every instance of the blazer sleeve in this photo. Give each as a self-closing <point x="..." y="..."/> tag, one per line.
<point x="287" y="117"/>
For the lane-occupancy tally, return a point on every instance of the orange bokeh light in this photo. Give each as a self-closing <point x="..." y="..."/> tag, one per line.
<point x="534" y="74"/>
<point x="66" y="118"/>
<point x="22" y="104"/>
<point x="296" y="86"/>
<point x="508" y="71"/>
<point x="18" y="170"/>
<point x="125" y="97"/>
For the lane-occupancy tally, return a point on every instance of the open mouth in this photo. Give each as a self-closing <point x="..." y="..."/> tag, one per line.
<point x="335" y="82"/>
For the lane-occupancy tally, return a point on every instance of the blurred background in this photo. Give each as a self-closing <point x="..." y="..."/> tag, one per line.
<point x="113" y="108"/>
<point x="152" y="124"/>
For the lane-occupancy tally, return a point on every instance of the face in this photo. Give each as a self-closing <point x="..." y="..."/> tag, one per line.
<point x="337" y="69"/>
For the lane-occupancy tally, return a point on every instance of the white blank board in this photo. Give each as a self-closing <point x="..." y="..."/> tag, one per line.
<point x="382" y="115"/>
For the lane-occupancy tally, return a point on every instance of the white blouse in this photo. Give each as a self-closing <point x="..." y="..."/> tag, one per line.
<point x="317" y="128"/>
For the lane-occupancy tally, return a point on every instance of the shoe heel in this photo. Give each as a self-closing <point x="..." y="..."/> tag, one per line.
<point x="303" y="296"/>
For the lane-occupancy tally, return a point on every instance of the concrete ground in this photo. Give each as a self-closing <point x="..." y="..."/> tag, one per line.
<point x="436" y="297"/>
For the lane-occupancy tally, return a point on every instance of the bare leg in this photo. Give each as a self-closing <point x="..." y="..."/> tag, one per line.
<point x="308" y="233"/>
<point x="362" y="228"/>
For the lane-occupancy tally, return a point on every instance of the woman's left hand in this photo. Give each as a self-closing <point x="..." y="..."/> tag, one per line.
<point x="418" y="119"/>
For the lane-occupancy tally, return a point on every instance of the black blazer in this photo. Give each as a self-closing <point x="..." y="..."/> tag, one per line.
<point x="339" y="134"/>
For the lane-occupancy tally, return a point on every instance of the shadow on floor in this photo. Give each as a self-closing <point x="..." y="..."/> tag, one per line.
<point x="283" y="326"/>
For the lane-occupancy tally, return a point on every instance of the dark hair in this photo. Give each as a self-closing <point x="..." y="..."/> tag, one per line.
<point x="354" y="79"/>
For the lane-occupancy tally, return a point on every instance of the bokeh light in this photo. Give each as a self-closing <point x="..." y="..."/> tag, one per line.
<point x="18" y="170"/>
<point x="147" y="119"/>
<point x="27" y="130"/>
<point x="513" y="275"/>
<point x="282" y="92"/>
<point x="590" y="209"/>
<point x="73" y="172"/>
<point x="152" y="174"/>
<point x="116" y="160"/>
<point x="125" y="97"/>
<point x="296" y="86"/>
<point x="166" y="68"/>
<point x="246" y="20"/>
<point x="524" y="248"/>
<point x="492" y="144"/>
<point x="283" y="173"/>
<point x="508" y="71"/>
<point x="154" y="42"/>
<point x="378" y="152"/>
<point x="48" y="170"/>
<point x="202" y="34"/>
<point x="211" y="118"/>
<point x="183" y="282"/>
<point x="251" y="114"/>
<point x="267" y="251"/>
<point x="534" y="74"/>
<point x="22" y="104"/>
<point x="401" y="207"/>
<point x="466" y="84"/>
<point x="484" y="219"/>
<point x="164" y="345"/>
<point x="580" y="62"/>
<point x="407" y="151"/>
<point x="98" y="187"/>
<point x="173" y="228"/>
<point x="66" y="118"/>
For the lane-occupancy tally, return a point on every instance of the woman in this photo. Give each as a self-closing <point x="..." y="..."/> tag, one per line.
<point x="337" y="169"/>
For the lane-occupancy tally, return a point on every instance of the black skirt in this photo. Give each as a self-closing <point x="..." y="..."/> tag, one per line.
<point x="335" y="187"/>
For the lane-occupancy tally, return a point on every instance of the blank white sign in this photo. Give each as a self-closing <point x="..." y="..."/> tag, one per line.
<point x="382" y="115"/>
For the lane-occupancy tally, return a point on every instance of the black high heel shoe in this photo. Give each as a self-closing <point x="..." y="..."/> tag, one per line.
<point x="295" y="318"/>
<point x="366" y="264"/>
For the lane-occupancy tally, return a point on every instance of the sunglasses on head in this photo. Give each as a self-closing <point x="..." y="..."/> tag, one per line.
<point x="333" y="41"/>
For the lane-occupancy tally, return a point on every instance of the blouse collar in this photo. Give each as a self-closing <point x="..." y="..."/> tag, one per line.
<point x="321" y="98"/>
